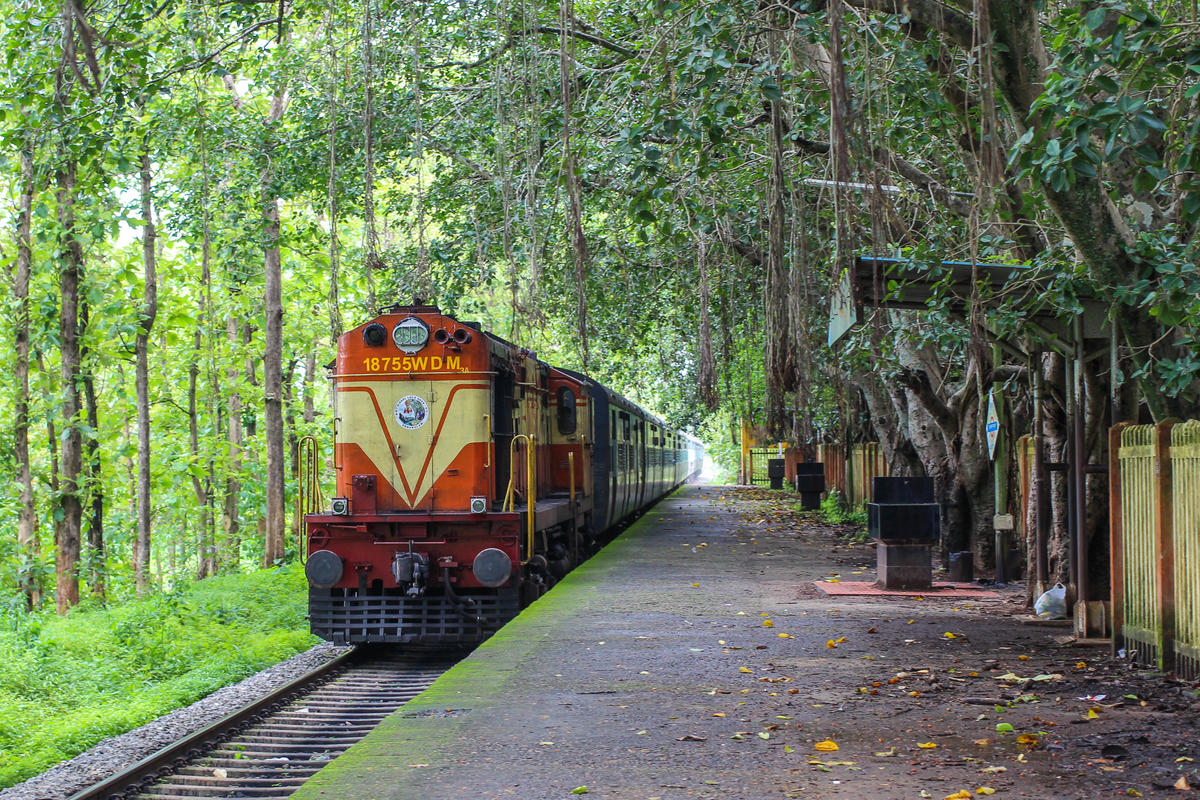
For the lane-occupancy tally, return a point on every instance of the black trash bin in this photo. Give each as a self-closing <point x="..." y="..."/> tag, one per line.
<point x="810" y="483"/>
<point x="775" y="471"/>
<point x="903" y="516"/>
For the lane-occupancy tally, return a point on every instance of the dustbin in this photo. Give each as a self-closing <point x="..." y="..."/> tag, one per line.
<point x="775" y="471"/>
<point x="903" y="516"/>
<point x="810" y="483"/>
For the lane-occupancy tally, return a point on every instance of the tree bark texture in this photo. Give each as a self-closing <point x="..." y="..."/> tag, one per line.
<point x="276" y="521"/>
<point x="27" y="538"/>
<point x="68" y="518"/>
<point x="231" y="513"/>
<point x="94" y="482"/>
<point x="142" y="379"/>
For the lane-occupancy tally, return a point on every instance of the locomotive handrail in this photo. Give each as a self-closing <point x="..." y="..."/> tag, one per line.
<point x="571" y="469"/>
<point x="308" y="491"/>
<point x="510" y="496"/>
<point x="487" y="418"/>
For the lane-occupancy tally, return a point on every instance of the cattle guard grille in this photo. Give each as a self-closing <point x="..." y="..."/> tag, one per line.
<point x="352" y="616"/>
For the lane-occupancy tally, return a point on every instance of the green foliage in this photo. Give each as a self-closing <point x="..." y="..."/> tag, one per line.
<point x="835" y="511"/>
<point x="67" y="683"/>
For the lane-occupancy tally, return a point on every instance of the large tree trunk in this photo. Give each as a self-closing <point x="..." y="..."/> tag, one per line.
<point x="27" y="538"/>
<point x="231" y="515"/>
<point x="68" y="520"/>
<point x="276" y="520"/>
<point x="96" y="560"/>
<point x="141" y="347"/>
<point x="204" y="544"/>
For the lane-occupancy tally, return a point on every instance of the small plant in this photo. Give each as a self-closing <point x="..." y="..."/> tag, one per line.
<point x="835" y="512"/>
<point x="833" y="508"/>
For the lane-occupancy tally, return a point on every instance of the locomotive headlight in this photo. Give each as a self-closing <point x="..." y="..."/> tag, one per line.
<point x="410" y="334"/>
<point x="323" y="569"/>
<point x="478" y="505"/>
<point x="374" y="335"/>
<point x="492" y="567"/>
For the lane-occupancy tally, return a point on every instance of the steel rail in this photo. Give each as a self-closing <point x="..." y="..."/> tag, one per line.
<point x="133" y="778"/>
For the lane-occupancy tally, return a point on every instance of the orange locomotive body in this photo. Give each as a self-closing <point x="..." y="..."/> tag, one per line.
<point x="470" y="476"/>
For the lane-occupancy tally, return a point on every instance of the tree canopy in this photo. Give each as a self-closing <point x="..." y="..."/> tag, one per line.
<point x="205" y="194"/>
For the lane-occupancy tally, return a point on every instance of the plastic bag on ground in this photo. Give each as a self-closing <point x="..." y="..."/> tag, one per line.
<point x="1053" y="603"/>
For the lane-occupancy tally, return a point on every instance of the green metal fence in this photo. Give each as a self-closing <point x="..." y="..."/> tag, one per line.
<point x="1155" y="527"/>
<point x="1185" y="536"/>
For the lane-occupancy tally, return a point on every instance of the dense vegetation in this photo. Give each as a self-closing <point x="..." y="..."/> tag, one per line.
<point x="202" y="196"/>
<point x="67" y="683"/>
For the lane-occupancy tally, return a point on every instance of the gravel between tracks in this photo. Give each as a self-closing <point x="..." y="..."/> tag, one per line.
<point x="112" y="755"/>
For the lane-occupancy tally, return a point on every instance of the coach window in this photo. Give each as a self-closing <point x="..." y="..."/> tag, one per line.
<point x="567" y="416"/>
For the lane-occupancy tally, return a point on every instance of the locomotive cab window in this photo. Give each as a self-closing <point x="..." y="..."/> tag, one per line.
<point x="567" y="414"/>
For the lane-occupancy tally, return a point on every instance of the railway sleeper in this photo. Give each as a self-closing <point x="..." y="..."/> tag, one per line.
<point x="237" y="772"/>
<point x="175" y="793"/>
<point x="316" y="728"/>
<point x="236" y="758"/>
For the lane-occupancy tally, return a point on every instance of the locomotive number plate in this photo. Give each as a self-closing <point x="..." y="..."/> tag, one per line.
<point x="413" y="364"/>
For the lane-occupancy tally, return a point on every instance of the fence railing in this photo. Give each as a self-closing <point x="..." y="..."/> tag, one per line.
<point x="1155" y="542"/>
<point x="847" y="469"/>
<point x="864" y="462"/>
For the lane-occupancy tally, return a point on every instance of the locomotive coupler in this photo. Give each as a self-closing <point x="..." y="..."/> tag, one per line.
<point x="410" y="571"/>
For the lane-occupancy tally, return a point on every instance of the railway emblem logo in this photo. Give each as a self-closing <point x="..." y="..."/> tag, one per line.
<point x="411" y="412"/>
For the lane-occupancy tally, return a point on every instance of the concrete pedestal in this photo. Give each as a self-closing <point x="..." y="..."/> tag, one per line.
<point x="904" y="565"/>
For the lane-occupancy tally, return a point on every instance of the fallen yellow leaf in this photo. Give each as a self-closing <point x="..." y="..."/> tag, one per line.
<point x="768" y="624"/>
<point x="1080" y="665"/>
<point x="696" y="585"/>
<point x="831" y="644"/>
<point x="827" y="746"/>
<point x="927" y="745"/>
<point x="1027" y="738"/>
<point x="1022" y="658"/>
<point x="949" y="635"/>
<point x="985" y="790"/>
<point x="961" y="794"/>
<point x="719" y="714"/>
<point x="744" y="669"/>
<point x="1093" y="714"/>
<point x="786" y="636"/>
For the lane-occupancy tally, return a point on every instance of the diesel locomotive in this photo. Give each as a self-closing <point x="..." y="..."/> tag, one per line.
<point x="470" y="476"/>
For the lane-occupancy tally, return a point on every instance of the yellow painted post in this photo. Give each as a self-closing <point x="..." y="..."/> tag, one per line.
<point x="571" y="469"/>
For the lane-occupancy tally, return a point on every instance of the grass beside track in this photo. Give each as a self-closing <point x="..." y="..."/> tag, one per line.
<point x="68" y="683"/>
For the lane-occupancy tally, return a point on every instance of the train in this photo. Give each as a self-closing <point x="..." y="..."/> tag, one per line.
<point x="470" y="477"/>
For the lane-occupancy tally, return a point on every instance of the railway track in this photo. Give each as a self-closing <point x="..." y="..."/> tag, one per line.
<point x="268" y="749"/>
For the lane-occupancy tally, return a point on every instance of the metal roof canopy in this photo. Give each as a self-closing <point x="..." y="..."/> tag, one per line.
<point x="898" y="284"/>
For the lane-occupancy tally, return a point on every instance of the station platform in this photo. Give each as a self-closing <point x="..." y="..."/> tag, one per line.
<point x="694" y="657"/>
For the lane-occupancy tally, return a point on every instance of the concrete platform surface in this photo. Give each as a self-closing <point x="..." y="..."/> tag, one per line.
<point x="693" y="658"/>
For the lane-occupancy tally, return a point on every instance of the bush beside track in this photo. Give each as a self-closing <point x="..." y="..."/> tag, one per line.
<point x="68" y="683"/>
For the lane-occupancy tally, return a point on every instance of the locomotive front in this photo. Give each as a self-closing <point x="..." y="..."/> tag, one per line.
<point x="414" y="547"/>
